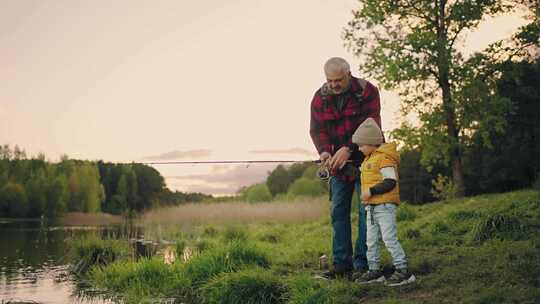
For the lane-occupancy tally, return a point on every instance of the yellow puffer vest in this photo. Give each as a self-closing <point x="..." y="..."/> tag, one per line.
<point x="385" y="156"/>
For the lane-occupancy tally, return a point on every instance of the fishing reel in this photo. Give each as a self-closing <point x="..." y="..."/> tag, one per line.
<point x="323" y="173"/>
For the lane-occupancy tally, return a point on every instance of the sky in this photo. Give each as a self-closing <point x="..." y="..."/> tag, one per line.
<point x="130" y="80"/>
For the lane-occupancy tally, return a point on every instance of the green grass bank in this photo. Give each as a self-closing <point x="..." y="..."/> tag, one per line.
<point x="483" y="249"/>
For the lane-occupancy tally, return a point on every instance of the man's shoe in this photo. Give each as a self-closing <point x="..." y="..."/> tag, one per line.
<point x="401" y="277"/>
<point x="332" y="274"/>
<point x="372" y="276"/>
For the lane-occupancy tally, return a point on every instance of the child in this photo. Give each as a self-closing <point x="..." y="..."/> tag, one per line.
<point x="380" y="195"/>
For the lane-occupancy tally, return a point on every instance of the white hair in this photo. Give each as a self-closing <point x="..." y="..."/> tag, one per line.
<point x="337" y="64"/>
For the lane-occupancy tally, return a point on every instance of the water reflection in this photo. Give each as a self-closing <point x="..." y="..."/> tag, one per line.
<point x="34" y="258"/>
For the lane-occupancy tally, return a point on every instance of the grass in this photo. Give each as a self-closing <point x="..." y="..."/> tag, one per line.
<point x="249" y="286"/>
<point x="92" y="251"/>
<point x="302" y="209"/>
<point x="483" y="249"/>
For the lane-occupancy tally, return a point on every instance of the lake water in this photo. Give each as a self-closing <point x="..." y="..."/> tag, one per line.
<point x="34" y="263"/>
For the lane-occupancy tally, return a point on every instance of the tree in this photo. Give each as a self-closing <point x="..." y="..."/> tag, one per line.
<point x="35" y="190"/>
<point x="513" y="162"/>
<point x="13" y="200"/>
<point x="150" y="183"/>
<point x="411" y="46"/>
<point x="278" y="180"/>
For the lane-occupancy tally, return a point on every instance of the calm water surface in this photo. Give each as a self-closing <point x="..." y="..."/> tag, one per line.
<point x="34" y="263"/>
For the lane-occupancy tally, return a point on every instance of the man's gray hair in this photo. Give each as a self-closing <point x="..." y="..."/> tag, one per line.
<point x="337" y="64"/>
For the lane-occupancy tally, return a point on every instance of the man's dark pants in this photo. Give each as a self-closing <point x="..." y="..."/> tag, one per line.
<point x="341" y="196"/>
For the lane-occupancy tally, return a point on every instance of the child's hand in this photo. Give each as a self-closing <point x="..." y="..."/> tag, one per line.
<point x="365" y="195"/>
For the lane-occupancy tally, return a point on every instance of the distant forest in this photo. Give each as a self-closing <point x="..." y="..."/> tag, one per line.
<point x="33" y="187"/>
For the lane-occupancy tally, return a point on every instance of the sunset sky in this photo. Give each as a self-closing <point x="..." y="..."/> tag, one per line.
<point x="133" y="80"/>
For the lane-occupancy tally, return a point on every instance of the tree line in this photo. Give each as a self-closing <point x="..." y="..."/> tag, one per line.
<point x="33" y="187"/>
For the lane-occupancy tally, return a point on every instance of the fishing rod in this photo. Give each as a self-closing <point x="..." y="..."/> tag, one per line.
<point x="323" y="173"/>
<point x="229" y="162"/>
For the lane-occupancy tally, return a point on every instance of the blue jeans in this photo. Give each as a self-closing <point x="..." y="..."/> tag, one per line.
<point x="342" y="192"/>
<point x="382" y="224"/>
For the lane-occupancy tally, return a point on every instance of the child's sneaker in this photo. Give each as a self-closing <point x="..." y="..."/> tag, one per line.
<point x="372" y="276"/>
<point x="401" y="277"/>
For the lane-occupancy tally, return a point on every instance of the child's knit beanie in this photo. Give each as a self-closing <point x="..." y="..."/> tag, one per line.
<point x="368" y="133"/>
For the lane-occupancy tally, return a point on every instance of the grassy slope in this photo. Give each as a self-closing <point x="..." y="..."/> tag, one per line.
<point x="483" y="249"/>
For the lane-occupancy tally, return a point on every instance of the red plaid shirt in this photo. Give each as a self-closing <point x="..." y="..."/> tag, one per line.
<point x="331" y="129"/>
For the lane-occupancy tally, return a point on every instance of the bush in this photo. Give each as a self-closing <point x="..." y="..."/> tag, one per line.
<point x="92" y="251"/>
<point x="253" y="286"/>
<point x="234" y="233"/>
<point x="136" y="280"/>
<point x="258" y="193"/>
<point x="443" y="188"/>
<point x="13" y="200"/>
<point x="496" y="226"/>
<point x="210" y="231"/>
<point x="228" y="258"/>
<point x="306" y="187"/>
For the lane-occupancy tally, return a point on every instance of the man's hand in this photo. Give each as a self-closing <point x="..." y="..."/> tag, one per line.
<point x="365" y="195"/>
<point x="324" y="157"/>
<point x="339" y="159"/>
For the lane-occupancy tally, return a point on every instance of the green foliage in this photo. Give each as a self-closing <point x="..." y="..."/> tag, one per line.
<point x="270" y="237"/>
<point x="180" y="246"/>
<point x="405" y="213"/>
<point x="496" y="226"/>
<point x="512" y="162"/>
<point x="92" y="251"/>
<point x="252" y="286"/>
<point x="258" y="193"/>
<point x="415" y="180"/>
<point x="444" y="188"/>
<point x="305" y="290"/>
<point x="82" y="186"/>
<point x="414" y="49"/>
<point x="210" y="231"/>
<point x="235" y="233"/>
<point x="278" y="180"/>
<point x="311" y="172"/>
<point x="13" y="200"/>
<point x="138" y="281"/>
<point x="227" y="258"/>
<point x="306" y="187"/>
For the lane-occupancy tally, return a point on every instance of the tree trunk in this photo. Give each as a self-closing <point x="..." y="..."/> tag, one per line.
<point x="448" y="106"/>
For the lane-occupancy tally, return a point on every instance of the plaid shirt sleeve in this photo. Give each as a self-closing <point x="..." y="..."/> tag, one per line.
<point x="317" y="131"/>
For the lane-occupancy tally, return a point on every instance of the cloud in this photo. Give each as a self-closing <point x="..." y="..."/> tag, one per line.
<point x="292" y="151"/>
<point x="190" y="154"/>
<point x="221" y="182"/>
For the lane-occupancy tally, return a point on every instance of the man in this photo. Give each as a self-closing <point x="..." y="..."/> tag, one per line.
<point x="337" y="109"/>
